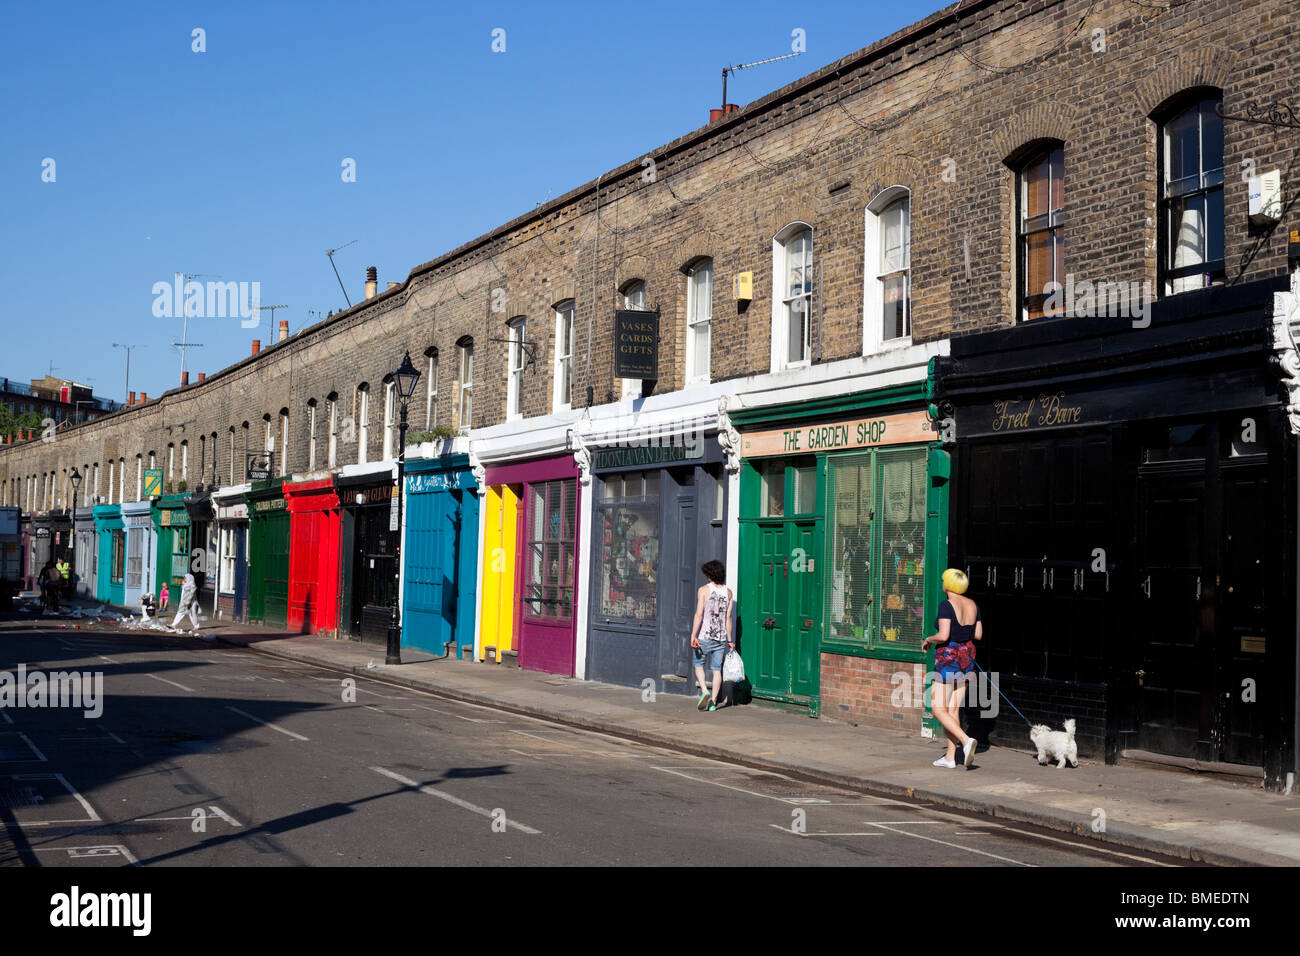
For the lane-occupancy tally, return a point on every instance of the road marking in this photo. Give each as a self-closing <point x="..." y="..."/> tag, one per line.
<point x="955" y="846"/>
<point x="441" y="795"/>
<point x="76" y="852"/>
<point x="727" y="786"/>
<point x="522" y="754"/>
<point x="114" y="736"/>
<point x="8" y="719"/>
<point x="267" y="723"/>
<point x="36" y="750"/>
<point x="777" y="826"/>
<point x="106" y="660"/>
<point x="172" y="682"/>
<point x="215" y="811"/>
<point x="225" y="816"/>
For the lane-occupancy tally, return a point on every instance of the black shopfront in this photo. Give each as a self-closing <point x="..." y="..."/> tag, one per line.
<point x="1125" y="504"/>
<point x="368" y="554"/>
<point x="658" y="513"/>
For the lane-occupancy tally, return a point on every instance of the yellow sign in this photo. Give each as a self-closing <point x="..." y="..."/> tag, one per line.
<point x="152" y="482"/>
<point x="838" y="436"/>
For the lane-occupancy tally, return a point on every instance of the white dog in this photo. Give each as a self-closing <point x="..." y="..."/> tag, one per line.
<point x="1055" y="745"/>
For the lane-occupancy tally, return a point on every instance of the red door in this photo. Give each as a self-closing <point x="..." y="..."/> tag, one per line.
<point x="548" y="576"/>
<point x="313" y="556"/>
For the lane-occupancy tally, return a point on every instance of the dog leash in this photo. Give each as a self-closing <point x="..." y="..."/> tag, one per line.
<point x="1004" y="696"/>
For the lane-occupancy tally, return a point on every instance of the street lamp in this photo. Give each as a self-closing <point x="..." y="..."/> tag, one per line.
<point x="404" y="379"/>
<point x="74" y="479"/>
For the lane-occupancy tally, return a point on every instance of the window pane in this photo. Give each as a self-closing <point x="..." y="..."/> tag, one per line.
<point x="773" y="490"/>
<point x="901" y="479"/>
<point x="1182" y="146"/>
<point x="895" y="306"/>
<point x="1187" y="224"/>
<point x="630" y="569"/>
<point x="850" y="603"/>
<point x="1211" y="137"/>
<point x="805" y="489"/>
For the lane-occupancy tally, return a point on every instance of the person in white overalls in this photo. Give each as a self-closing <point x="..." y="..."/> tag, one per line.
<point x="189" y="602"/>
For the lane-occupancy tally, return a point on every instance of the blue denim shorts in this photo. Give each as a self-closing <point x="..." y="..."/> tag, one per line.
<point x="715" y="651"/>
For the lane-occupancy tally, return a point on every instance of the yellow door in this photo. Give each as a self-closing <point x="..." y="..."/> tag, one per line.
<point x="501" y="516"/>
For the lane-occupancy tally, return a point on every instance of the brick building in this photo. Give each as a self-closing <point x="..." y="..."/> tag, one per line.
<point x="900" y="215"/>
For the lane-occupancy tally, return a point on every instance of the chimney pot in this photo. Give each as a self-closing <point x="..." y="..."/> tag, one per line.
<point x="202" y="376"/>
<point x="284" y="330"/>
<point x="130" y="398"/>
<point x="143" y="398"/>
<point x="392" y="285"/>
<point x="372" y="281"/>
<point x="185" y="378"/>
<point x="257" y="346"/>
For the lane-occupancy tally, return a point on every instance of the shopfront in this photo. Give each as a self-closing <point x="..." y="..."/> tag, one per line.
<point x="142" y="572"/>
<point x="658" y="513"/>
<point x="268" y="554"/>
<point x="110" y="565"/>
<point x="368" y="551"/>
<point x="86" y="550"/>
<point x="313" y="597"/>
<point x="1127" y="513"/>
<point x="40" y="546"/>
<point x="203" y="549"/>
<point x="172" y="529"/>
<point x="842" y="544"/>
<point x="232" y="553"/>
<point x="440" y="554"/>
<point x="532" y="586"/>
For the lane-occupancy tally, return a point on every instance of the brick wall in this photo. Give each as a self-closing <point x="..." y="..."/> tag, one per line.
<point x="860" y="690"/>
<point x="939" y="108"/>
<point x="1044" y="702"/>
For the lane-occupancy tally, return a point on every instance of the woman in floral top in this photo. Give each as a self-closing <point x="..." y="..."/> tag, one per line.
<point x="711" y="634"/>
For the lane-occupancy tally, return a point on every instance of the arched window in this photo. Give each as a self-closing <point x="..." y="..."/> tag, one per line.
<point x="284" y="442"/>
<point x="699" y="321"/>
<point x="517" y="330"/>
<point x="465" y="376"/>
<point x="431" y="383"/>
<point x="633" y="296"/>
<point x="1191" y="194"/>
<point x="1040" y="232"/>
<point x="363" y="421"/>
<point x="563" y="394"/>
<point x="311" y="434"/>
<point x="792" y="287"/>
<point x="887" y="296"/>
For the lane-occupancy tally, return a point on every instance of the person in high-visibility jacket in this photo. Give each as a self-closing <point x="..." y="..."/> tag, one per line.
<point x="64" y="568"/>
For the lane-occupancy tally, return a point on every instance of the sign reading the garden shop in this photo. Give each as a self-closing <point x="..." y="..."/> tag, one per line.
<point x="636" y="345"/>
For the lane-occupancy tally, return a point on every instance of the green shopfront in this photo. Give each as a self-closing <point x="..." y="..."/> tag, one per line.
<point x="843" y="539"/>
<point x="171" y="522"/>
<point x="268" y="553"/>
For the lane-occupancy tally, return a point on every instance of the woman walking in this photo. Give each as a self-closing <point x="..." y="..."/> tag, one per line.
<point x="954" y="660"/>
<point x="711" y="632"/>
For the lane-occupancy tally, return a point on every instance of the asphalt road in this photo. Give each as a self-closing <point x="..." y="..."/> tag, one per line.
<point x="209" y="755"/>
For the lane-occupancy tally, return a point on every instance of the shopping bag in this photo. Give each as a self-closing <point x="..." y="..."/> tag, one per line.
<point x="733" y="668"/>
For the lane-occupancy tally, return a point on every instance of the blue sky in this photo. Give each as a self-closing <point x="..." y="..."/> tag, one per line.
<point x="228" y="162"/>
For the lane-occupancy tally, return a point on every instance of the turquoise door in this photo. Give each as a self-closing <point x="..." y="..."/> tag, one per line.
<point x="440" y="561"/>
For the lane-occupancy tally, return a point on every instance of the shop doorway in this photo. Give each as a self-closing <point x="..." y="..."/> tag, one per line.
<point x="788" y="610"/>
<point x="373" y="575"/>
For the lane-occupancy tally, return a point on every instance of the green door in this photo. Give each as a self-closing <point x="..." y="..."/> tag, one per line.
<point x="781" y="569"/>
<point x="268" y="559"/>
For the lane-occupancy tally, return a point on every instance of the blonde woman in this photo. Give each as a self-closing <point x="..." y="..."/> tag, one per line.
<point x="959" y="627"/>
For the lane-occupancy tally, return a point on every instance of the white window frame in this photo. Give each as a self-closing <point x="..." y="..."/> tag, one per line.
<point x="332" y="448"/>
<point x="634" y="293"/>
<point x="185" y="461"/>
<point x="363" y="422"/>
<point x="171" y="462"/>
<point x="563" y="376"/>
<point x="873" y="296"/>
<point x="284" y="444"/>
<point x="139" y="477"/>
<point x="695" y="317"/>
<point x="465" y="354"/>
<point x="311" y="435"/>
<point x="390" y="392"/>
<point x="517" y="329"/>
<point x="431" y="409"/>
<point x="228" y="554"/>
<point x="782" y="306"/>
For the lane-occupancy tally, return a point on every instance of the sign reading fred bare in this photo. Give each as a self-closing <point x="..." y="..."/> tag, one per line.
<point x="636" y="345"/>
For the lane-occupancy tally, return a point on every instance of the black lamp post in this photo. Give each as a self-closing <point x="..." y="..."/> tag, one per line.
<point x="74" y="479"/>
<point x="404" y="379"/>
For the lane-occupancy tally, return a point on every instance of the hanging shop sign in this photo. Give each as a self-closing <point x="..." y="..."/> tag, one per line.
<point x="838" y="436"/>
<point x="636" y="344"/>
<point x="152" y="482"/>
<point x="258" y="466"/>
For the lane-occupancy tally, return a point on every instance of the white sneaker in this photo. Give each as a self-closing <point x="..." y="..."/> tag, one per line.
<point x="969" y="751"/>
<point x="945" y="763"/>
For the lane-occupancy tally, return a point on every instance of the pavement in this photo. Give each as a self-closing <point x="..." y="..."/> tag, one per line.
<point x="1192" y="816"/>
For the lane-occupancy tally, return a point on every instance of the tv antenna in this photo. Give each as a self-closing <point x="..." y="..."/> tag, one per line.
<point x="272" y="309"/>
<point x="185" y="327"/>
<point x="330" y="253"/>
<point x="745" y="66"/>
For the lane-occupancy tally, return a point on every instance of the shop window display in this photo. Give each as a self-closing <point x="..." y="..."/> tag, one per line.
<point x="629" y="523"/>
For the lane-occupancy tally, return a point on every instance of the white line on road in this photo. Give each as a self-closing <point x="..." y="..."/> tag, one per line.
<point x="8" y="719"/>
<point x="106" y="660"/>
<point x="36" y="750"/>
<point x="267" y="723"/>
<point x="225" y="816"/>
<point x="777" y="826"/>
<point x="955" y="846"/>
<point x="172" y="682"/>
<point x="441" y="795"/>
